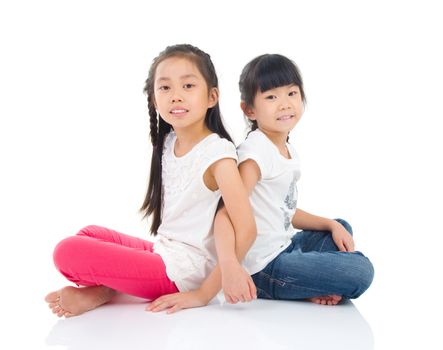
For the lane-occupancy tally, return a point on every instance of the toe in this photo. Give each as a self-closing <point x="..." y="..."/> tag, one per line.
<point x="52" y="297"/>
<point x="60" y="313"/>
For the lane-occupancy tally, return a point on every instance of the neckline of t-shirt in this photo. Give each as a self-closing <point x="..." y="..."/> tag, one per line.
<point x="193" y="149"/>
<point x="288" y="147"/>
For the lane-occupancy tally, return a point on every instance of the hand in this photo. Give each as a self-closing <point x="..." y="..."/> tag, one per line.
<point x="237" y="284"/>
<point x="342" y="238"/>
<point x="178" y="301"/>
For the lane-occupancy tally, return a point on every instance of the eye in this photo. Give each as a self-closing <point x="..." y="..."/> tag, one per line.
<point x="293" y="93"/>
<point x="163" y="88"/>
<point x="271" y="97"/>
<point x="188" y="86"/>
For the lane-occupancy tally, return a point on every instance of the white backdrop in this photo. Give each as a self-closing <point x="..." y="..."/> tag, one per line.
<point x="74" y="129"/>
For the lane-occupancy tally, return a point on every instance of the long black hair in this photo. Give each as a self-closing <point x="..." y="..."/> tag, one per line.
<point x="267" y="72"/>
<point x="153" y="203"/>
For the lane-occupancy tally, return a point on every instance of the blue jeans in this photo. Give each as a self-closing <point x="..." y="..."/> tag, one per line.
<point x="312" y="266"/>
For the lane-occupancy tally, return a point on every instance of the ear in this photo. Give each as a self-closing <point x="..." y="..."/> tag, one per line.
<point x="248" y="111"/>
<point x="213" y="97"/>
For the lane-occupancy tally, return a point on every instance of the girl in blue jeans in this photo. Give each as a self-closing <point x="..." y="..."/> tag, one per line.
<point x="318" y="263"/>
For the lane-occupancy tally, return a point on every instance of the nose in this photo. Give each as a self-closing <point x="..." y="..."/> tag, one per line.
<point x="176" y="98"/>
<point x="285" y="104"/>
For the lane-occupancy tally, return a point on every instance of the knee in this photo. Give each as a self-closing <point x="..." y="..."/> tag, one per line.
<point x="345" y="224"/>
<point x="361" y="277"/>
<point x="64" y="251"/>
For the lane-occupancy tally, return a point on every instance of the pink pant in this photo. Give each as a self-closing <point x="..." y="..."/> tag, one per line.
<point x="100" y="256"/>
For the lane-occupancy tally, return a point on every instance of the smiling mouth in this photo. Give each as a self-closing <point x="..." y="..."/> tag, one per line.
<point x="179" y="111"/>
<point x="286" y="117"/>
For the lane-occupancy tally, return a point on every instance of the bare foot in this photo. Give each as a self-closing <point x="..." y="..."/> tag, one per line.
<point x="326" y="300"/>
<point x="72" y="301"/>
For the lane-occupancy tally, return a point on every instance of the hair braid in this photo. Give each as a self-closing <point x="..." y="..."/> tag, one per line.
<point x="153" y="124"/>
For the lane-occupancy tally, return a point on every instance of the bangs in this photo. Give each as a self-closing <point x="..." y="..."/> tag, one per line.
<point x="274" y="71"/>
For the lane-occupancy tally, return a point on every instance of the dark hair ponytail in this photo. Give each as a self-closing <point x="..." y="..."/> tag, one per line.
<point x="153" y="203"/>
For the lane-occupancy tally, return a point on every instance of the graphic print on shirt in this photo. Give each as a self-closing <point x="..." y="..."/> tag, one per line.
<point x="290" y="202"/>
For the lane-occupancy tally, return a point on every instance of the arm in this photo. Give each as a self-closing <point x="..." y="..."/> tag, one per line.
<point x="237" y="204"/>
<point x="233" y="244"/>
<point x="342" y="238"/>
<point x="234" y="232"/>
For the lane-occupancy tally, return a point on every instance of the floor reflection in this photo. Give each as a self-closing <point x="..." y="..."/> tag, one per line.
<point x="261" y="324"/>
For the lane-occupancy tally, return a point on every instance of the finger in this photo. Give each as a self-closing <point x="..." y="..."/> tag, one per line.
<point x="234" y="300"/>
<point x="153" y="304"/>
<point x="244" y="298"/>
<point x="228" y="299"/>
<point x="252" y="288"/>
<point x="162" y="305"/>
<point x="150" y="306"/>
<point x="350" y="245"/>
<point x="247" y="297"/>
<point x="341" y="247"/>
<point x="173" y="309"/>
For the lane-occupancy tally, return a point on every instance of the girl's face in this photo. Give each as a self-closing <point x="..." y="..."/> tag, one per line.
<point x="181" y="93"/>
<point x="277" y="110"/>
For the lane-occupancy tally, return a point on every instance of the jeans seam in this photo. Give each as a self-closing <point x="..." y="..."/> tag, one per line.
<point x="289" y="285"/>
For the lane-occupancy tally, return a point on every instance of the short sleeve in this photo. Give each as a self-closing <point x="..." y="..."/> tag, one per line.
<point x="254" y="148"/>
<point x="216" y="150"/>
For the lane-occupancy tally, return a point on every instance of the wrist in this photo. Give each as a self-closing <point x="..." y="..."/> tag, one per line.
<point x="227" y="264"/>
<point x="332" y="224"/>
<point x="205" y="295"/>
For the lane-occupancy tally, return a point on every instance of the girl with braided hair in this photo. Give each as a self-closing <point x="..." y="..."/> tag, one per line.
<point x="193" y="166"/>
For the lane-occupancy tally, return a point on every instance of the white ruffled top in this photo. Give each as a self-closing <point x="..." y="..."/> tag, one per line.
<point x="185" y="238"/>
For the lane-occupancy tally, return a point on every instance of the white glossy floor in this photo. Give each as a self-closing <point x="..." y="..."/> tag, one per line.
<point x="375" y="321"/>
<point x="262" y="324"/>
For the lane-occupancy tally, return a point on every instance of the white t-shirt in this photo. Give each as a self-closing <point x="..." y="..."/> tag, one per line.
<point x="185" y="239"/>
<point x="274" y="198"/>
